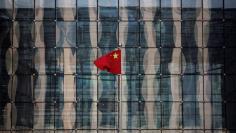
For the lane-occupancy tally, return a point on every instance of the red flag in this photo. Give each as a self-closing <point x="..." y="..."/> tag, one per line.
<point x="110" y="62"/>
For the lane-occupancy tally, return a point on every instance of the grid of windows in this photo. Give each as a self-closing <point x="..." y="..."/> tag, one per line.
<point x="178" y="66"/>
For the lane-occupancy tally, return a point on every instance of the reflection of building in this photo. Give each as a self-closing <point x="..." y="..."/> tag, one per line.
<point x="178" y="66"/>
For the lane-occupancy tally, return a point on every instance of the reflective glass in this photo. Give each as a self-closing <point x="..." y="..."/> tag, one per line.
<point x="108" y="10"/>
<point x="191" y="9"/>
<point x="87" y="9"/>
<point x="6" y="9"/>
<point x="44" y="9"/>
<point x="212" y="9"/>
<point x="24" y="9"/>
<point x="129" y="9"/>
<point x="66" y="10"/>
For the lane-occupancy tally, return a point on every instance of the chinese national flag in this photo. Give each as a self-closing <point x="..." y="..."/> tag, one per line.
<point x="110" y="62"/>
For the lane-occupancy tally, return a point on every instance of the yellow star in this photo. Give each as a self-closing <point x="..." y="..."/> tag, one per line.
<point x="115" y="55"/>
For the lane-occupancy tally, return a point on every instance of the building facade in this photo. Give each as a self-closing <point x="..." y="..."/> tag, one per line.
<point x="178" y="66"/>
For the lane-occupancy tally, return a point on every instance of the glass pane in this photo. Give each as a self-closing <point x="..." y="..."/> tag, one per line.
<point x="212" y="9"/>
<point x="108" y="10"/>
<point x="130" y="88"/>
<point x="5" y="33"/>
<point x="170" y="34"/>
<point x="229" y="93"/>
<point x="230" y="61"/>
<point x="150" y="9"/>
<point x="107" y="114"/>
<point x="41" y="87"/>
<point x="191" y="33"/>
<point x="84" y="62"/>
<point x="45" y="34"/>
<point x="87" y="34"/>
<point x="131" y="61"/>
<point x="24" y="9"/>
<point x="44" y="9"/>
<point x="66" y="10"/>
<point x="170" y="9"/>
<point x="5" y="114"/>
<point x="23" y="36"/>
<point x="130" y="115"/>
<point x="230" y="109"/>
<point x="65" y="115"/>
<point x="213" y="30"/>
<point x="86" y="88"/>
<point x="43" y="116"/>
<point x="229" y="9"/>
<point x="213" y="60"/>
<point x="87" y="9"/>
<point x="107" y="34"/>
<point x="213" y="115"/>
<point x="213" y="87"/>
<point x="6" y="9"/>
<point x="150" y="34"/>
<point x="149" y="61"/>
<point x="151" y="115"/>
<point x="66" y="61"/>
<point x="129" y="9"/>
<point x="86" y="117"/>
<point x="25" y="61"/>
<point x="192" y="87"/>
<point x="69" y="88"/>
<point x="66" y="34"/>
<point x="192" y="115"/>
<point x="230" y="33"/>
<point x="129" y="34"/>
<point x="23" y="114"/>
<point x="191" y="9"/>
<point x="107" y="86"/>
<point x="192" y="61"/>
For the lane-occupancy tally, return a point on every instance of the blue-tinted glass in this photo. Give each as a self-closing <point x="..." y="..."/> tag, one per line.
<point x="129" y="9"/>
<point x="107" y="32"/>
<point x="229" y="9"/>
<point x="6" y="9"/>
<point x="108" y="10"/>
<point x="24" y="9"/>
<point x="87" y="9"/>
<point x="191" y="9"/>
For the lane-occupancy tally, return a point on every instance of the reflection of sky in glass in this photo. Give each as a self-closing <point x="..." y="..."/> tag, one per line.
<point x="45" y="3"/>
<point x="87" y="3"/>
<point x="149" y="3"/>
<point x="5" y="4"/>
<point x="24" y="3"/>
<point x="129" y="3"/>
<point x="108" y="3"/>
<point x="66" y="3"/>
<point x="191" y="3"/>
<point x="170" y="3"/>
<point x="212" y="4"/>
<point x="230" y="3"/>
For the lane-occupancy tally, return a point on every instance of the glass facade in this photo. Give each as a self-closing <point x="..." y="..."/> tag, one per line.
<point x="178" y="66"/>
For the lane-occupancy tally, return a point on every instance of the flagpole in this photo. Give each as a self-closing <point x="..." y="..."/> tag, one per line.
<point x="120" y="97"/>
